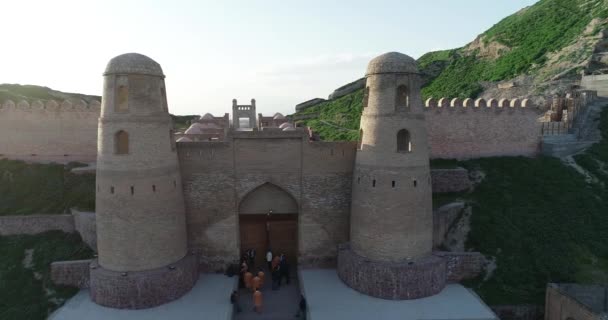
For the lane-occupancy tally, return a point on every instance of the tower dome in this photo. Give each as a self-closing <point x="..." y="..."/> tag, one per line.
<point x="392" y="62"/>
<point x="207" y="116"/>
<point x="133" y="63"/>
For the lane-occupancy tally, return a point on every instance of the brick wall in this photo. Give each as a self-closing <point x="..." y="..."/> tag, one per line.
<point x="470" y="132"/>
<point x="49" y="131"/>
<point x="462" y="265"/>
<point x="71" y="273"/>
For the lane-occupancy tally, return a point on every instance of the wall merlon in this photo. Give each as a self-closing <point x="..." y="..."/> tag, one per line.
<point x="468" y="103"/>
<point x="51" y="105"/>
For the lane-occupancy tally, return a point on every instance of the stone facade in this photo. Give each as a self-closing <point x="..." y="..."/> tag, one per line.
<point x="219" y="175"/>
<point x="142" y="289"/>
<point x="392" y="280"/>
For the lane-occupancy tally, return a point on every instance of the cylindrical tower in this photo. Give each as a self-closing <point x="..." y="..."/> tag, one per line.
<point x="141" y="228"/>
<point x="391" y="208"/>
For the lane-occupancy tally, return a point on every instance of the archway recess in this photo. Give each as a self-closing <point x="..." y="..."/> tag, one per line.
<point x="268" y="218"/>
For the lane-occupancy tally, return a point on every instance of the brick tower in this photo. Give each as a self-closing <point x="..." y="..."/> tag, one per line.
<point x="390" y="253"/>
<point x="141" y="228"/>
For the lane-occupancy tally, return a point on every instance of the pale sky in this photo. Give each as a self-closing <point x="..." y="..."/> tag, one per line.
<point x="279" y="52"/>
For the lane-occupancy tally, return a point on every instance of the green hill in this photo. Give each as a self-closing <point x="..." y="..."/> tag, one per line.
<point x="551" y="40"/>
<point x="17" y="92"/>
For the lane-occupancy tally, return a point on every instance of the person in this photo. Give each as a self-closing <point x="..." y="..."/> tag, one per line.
<point x="251" y="257"/>
<point x="244" y="269"/>
<point x="257" y="301"/>
<point x="275" y="262"/>
<point x="284" y="267"/>
<point x="302" y="308"/>
<point x="255" y="283"/>
<point x="261" y="276"/>
<point x="248" y="278"/>
<point x="234" y="299"/>
<point x="276" y="276"/>
<point x="269" y="259"/>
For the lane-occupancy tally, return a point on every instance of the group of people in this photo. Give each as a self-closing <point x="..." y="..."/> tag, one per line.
<point x="254" y="281"/>
<point x="278" y="267"/>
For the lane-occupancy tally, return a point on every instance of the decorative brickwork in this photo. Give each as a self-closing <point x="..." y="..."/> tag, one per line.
<point x="461" y="265"/>
<point x="71" y="273"/>
<point x="394" y="281"/>
<point x="143" y="289"/>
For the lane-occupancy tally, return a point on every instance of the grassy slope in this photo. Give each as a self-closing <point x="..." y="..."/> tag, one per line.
<point x="548" y="26"/>
<point x="541" y="221"/>
<point x="27" y="293"/>
<point x="43" y="188"/>
<point x="545" y="27"/>
<point x="338" y="120"/>
<point x="18" y="92"/>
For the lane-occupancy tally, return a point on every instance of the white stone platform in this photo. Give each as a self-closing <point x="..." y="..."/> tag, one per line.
<point x="329" y="298"/>
<point x="209" y="299"/>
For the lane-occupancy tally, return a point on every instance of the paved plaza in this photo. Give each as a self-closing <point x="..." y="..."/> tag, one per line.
<point x="209" y="299"/>
<point x="330" y="299"/>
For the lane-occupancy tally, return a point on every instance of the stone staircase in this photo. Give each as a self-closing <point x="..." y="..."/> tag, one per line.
<point x="584" y="133"/>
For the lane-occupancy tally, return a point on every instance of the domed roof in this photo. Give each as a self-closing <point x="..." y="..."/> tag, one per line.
<point x="278" y="116"/>
<point x="207" y="116"/>
<point x="194" y="129"/>
<point x="392" y="62"/>
<point x="285" y="125"/>
<point x="133" y="63"/>
<point x="208" y="126"/>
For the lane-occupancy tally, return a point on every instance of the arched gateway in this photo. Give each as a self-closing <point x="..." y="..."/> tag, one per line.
<point x="268" y="217"/>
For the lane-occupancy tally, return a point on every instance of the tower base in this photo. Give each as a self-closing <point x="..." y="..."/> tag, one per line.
<point x="142" y="289"/>
<point x="391" y="280"/>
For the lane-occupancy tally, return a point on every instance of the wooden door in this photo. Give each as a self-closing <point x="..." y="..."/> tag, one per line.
<point x="280" y="232"/>
<point x="253" y="235"/>
<point x="283" y="236"/>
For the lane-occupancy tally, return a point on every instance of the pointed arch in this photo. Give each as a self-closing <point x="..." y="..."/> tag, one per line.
<point x="404" y="142"/>
<point x="365" y="96"/>
<point x="121" y="142"/>
<point x="266" y="197"/>
<point x="403" y="98"/>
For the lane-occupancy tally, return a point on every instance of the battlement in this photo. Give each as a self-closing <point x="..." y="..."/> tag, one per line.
<point x="479" y="104"/>
<point x="51" y="106"/>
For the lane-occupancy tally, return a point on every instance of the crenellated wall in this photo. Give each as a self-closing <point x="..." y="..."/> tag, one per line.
<point x="467" y="128"/>
<point x="45" y="131"/>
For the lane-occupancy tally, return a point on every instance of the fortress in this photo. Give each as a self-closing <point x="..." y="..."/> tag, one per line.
<point x="169" y="205"/>
<point x="167" y="210"/>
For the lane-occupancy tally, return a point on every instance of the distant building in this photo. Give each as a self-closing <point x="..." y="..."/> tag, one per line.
<point x="566" y="301"/>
